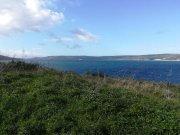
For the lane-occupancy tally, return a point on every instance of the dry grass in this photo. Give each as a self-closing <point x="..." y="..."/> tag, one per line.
<point x="167" y="91"/>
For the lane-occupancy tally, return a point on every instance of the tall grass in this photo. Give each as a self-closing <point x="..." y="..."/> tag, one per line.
<point x="165" y="90"/>
<point x="18" y="66"/>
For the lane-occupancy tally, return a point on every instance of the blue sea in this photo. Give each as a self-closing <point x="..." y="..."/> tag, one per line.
<point x="157" y="71"/>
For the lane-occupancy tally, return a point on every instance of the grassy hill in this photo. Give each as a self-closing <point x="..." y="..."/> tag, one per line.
<point x="40" y="101"/>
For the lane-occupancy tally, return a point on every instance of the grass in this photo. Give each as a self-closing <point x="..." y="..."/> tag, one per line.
<point x="40" y="101"/>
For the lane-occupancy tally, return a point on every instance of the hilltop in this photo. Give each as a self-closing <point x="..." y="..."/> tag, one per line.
<point x="36" y="100"/>
<point x="5" y="58"/>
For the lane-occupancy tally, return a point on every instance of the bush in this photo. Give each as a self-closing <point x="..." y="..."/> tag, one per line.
<point x="19" y="66"/>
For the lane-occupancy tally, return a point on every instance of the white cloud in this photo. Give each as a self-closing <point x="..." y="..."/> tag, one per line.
<point x="66" y="41"/>
<point x="68" y="3"/>
<point x="76" y="46"/>
<point x="27" y="15"/>
<point x="71" y="41"/>
<point x="59" y="39"/>
<point x="84" y="35"/>
<point x="62" y="39"/>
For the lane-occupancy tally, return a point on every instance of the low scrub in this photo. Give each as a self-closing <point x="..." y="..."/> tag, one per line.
<point x="18" y="66"/>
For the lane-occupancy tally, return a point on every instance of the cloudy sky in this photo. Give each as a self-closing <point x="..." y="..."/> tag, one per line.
<point x="89" y="27"/>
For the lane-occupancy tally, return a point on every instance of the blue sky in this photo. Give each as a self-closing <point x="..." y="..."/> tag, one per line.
<point x="31" y="28"/>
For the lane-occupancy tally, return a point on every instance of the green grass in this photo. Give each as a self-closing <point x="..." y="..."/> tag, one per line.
<point x="40" y="101"/>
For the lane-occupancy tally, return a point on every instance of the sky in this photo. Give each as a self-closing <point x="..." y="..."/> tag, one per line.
<point x="30" y="28"/>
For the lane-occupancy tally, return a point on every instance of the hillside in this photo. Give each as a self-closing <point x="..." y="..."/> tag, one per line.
<point x="42" y="101"/>
<point x="165" y="57"/>
<point x="5" y="58"/>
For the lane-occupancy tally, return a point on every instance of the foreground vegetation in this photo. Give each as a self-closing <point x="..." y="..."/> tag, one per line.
<point x="40" y="101"/>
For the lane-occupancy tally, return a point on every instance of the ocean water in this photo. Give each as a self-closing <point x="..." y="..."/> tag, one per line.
<point x="157" y="71"/>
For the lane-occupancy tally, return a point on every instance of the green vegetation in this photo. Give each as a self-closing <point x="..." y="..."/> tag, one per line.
<point x="40" y="101"/>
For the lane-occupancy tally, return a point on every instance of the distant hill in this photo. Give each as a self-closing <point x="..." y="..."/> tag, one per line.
<point x="154" y="57"/>
<point x="5" y="58"/>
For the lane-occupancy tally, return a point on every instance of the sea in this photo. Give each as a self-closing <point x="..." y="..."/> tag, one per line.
<point x="156" y="71"/>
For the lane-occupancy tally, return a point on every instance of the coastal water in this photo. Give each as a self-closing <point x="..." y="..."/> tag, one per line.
<point x="157" y="71"/>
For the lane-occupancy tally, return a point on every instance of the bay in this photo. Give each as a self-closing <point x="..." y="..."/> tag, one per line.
<point x="157" y="71"/>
